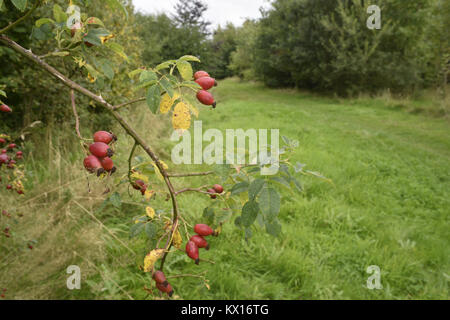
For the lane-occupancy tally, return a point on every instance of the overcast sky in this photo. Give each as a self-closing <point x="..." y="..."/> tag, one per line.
<point x="219" y="11"/>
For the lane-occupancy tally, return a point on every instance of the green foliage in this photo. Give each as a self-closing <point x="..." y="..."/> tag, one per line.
<point x="325" y="45"/>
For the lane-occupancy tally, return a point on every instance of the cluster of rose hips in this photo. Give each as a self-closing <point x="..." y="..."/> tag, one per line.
<point x="162" y="284"/>
<point x="99" y="161"/>
<point x="206" y="82"/>
<point x="8" y="158"/>
<point x="2" y="295"/>
<point x="198" y="241"/>
<point x="217" y="189"/>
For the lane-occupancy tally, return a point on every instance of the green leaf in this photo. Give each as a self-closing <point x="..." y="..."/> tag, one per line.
<point x="153" y="98"/>
<point x="20" y="4"/>
<point x="2" y="93"/>
<point x="58" y="14"/>
<point x="249" y="213"/>
<point x="117" y="48"/>
<point x="106" y="68"/>
<point x="42" y="21"/>
<point x="136" y="229"/>
<point x="239" y="188"/>
<point x="297" y="185"/>
<point x="189" y="58"/>
<point x="191" y="84"/>
<point x="185" y="70"/>
<point x="273" y="228"/>
<point x="1" y="5"/>
<point x="255" y="188"/>
<point x="270" y="202"/>
<point x="116" y="4"/>
<point x="164" y="65"/>
<point x="134" y="73"/>
<point x="222" y="170"/>
<point x="115" y="200"/>
<point x="166" y="86"/>
<point x="150" y="230"/>
<point x="208" y="215"/>
<point x="147" y="76"/>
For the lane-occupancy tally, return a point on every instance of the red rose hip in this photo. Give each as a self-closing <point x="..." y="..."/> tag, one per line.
<point x="218" y="188"/>
<point x="92" y="164"/>
<point x="5" y="108"/>
<point x="204" y="230"/>
<point x="100" y="150"/>
<point x="105" y="137"/>
<point x="206" y="98"/>
<point x="200" y="242"/>
<point x="207" y="82"/>
<point x="168" y="289"/>
<point x="192" y="251"/>
<point x="200" y="74"/>
<point x="160" y="278"/>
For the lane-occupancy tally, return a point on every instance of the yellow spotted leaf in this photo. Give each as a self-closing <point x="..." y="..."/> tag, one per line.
<point x="181" y="119"/>
<point x="167" y="102"/>
<point x="177" y="239"/>
<point x="151" y="258"/>
<point x="193" y="109"/>
<point x="139" y="176"/>
<point x="150" y="212"/>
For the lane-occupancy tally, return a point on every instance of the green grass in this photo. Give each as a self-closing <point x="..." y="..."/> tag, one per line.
<point x="389" y="206"/>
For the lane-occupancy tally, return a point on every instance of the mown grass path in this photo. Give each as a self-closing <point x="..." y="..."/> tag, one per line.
<point x="390" y="205"/>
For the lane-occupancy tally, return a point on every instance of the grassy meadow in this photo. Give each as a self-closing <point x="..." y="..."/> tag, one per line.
<point x="389" y="205"/>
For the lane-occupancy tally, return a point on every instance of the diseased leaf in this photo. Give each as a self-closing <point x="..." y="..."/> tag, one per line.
<point x="150" y="212"/>
<point x="181" y="119"/>
<point x="167" y="102"/>
<point x="151" y="258"/>
<point x="95" y="20"/>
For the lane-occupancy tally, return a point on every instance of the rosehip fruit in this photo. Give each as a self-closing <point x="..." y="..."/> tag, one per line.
<point x="200" y="74"/>
<point x="5" y="108"/>
<point x="20" y="192"/>
<point x="19" y="153"/>
<point x="168" y="289"/>
<point x="4" y="158"/>
<point x="200" y="242"/>
<point x="160" y="278"/>
<point x="212" y="193"/>
<point x="2" y="141"/>
<point x="206" y="82"/>
<point x="100" y="150"/>
<point x="105" y="137"/>
<point x="218" y="188"/>
<point x="204" y="230"/>
<point x="139" y="184"/>
<point x="192" y="251"/>
<point x="4" y="151"/>
<point x="108" y="164"/>
<point x="206" y="98"/>
<point x="9" y="187"/>
<point x="93" y="164"/>
<point x="12" y="146"/>
<point x="30" y="247"/>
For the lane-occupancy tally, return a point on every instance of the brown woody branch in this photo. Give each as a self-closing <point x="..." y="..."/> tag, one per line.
<point x="193" y="174"/>
<point x="99" y="99"/>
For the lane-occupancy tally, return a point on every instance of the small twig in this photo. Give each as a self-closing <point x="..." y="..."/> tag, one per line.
<point x="129" y="102"/>
<point x="130" y="159"/>
<point x="194" y="174"/>
<point x="75" y="113"/>
<point x="200" y="190"/>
